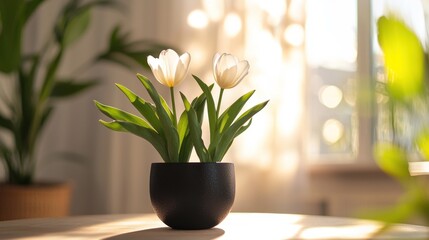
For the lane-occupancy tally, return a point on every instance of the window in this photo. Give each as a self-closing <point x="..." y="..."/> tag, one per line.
<point x="339" y="126"/>
<point x="346" y="115"/>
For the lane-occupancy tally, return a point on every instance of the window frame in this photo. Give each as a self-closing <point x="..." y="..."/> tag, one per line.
<point x="362" y="160"/>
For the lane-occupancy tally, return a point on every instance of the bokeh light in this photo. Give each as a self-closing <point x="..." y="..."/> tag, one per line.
<point x="330" y="96"/>
<point x="332" y="131"/>
<point x="232" y="24"/>
<point x="294" y="35"/>
<point x="198" y="19"/>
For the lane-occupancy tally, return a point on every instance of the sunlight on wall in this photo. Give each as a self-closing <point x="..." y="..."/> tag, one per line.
<point x="214" y="9"/>
<point x="270" y="35"/>
<point x="273" y="43"/>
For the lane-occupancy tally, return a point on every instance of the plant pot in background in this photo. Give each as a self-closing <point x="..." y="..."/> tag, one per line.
<point x="34" y="201"/>
<point x="192" y="195"/>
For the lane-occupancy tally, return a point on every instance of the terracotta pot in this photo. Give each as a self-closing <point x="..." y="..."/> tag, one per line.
<point x="192" y="195"/>
<point x="34" y="201"/>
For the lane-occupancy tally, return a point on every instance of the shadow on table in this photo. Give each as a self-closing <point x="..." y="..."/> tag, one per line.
<point x="168" y="233"/>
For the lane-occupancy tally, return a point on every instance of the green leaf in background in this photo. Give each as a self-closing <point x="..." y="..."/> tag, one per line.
<point x="30" y="8"/>
<point x="6" y="123"/>
<point x="45" y="117"/>
<point x="68" y="88"/>
<point x="422" y="142"/>
<point x="76" y="26"/>
<point x="49" y="81"/>
<point x="74" y="20"/>
<point x="36" y="81"/>
<point x="393" y="160"/>
<point x="130" y="53"/>
<point x="403" y="58"/>
<point x="11" y="27"/>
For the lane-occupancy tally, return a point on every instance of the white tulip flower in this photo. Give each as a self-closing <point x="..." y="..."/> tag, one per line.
<point x="228" y="70"/>
<point x="169" y="69"/>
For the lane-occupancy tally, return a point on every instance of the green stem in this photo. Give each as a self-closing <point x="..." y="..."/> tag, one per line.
<point x="219" y="102"/>
<point x="173" y="105"/>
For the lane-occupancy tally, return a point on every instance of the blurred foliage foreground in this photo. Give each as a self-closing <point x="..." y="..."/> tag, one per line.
<point x="407" y="89"/>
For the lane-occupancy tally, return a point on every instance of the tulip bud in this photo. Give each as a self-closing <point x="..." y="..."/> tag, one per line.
<point x="228" y="70"/>
<point x="169" y="69"/>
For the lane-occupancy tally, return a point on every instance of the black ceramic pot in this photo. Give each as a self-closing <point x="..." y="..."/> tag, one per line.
<point x="192" y="195"/>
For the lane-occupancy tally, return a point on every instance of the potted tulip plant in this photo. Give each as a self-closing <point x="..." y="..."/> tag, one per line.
<point x="188" y="195"/>
<point x="36" y="88"/>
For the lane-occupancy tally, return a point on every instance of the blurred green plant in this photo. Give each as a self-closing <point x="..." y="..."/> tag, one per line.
<point x="34" y="75"/>
<point x="407" y="89"/>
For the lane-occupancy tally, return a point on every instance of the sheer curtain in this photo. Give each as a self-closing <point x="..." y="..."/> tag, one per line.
<point x="112" y="173"/>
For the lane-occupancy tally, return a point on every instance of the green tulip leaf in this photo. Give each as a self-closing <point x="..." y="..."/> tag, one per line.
<point x="120" y="115"/>
<point x="211" y="109"/>
<point x="147" y="110"/>
<point x="229" y="115"/>
<point x="171" y="135"/>
<point x="113" y="125"/>
<point x="195" y="131"/>
<point x="182" y="126"/>
<point x="186" y="144"/>
<point x="185" y="149"/>
<point x="228" y="136"/>
<point x="243" y="128"/>
<point x="149" y="135"/>
<point x="167" y="108"/>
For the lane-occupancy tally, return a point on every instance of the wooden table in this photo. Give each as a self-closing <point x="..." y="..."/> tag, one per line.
<point x="235" y="226"/>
